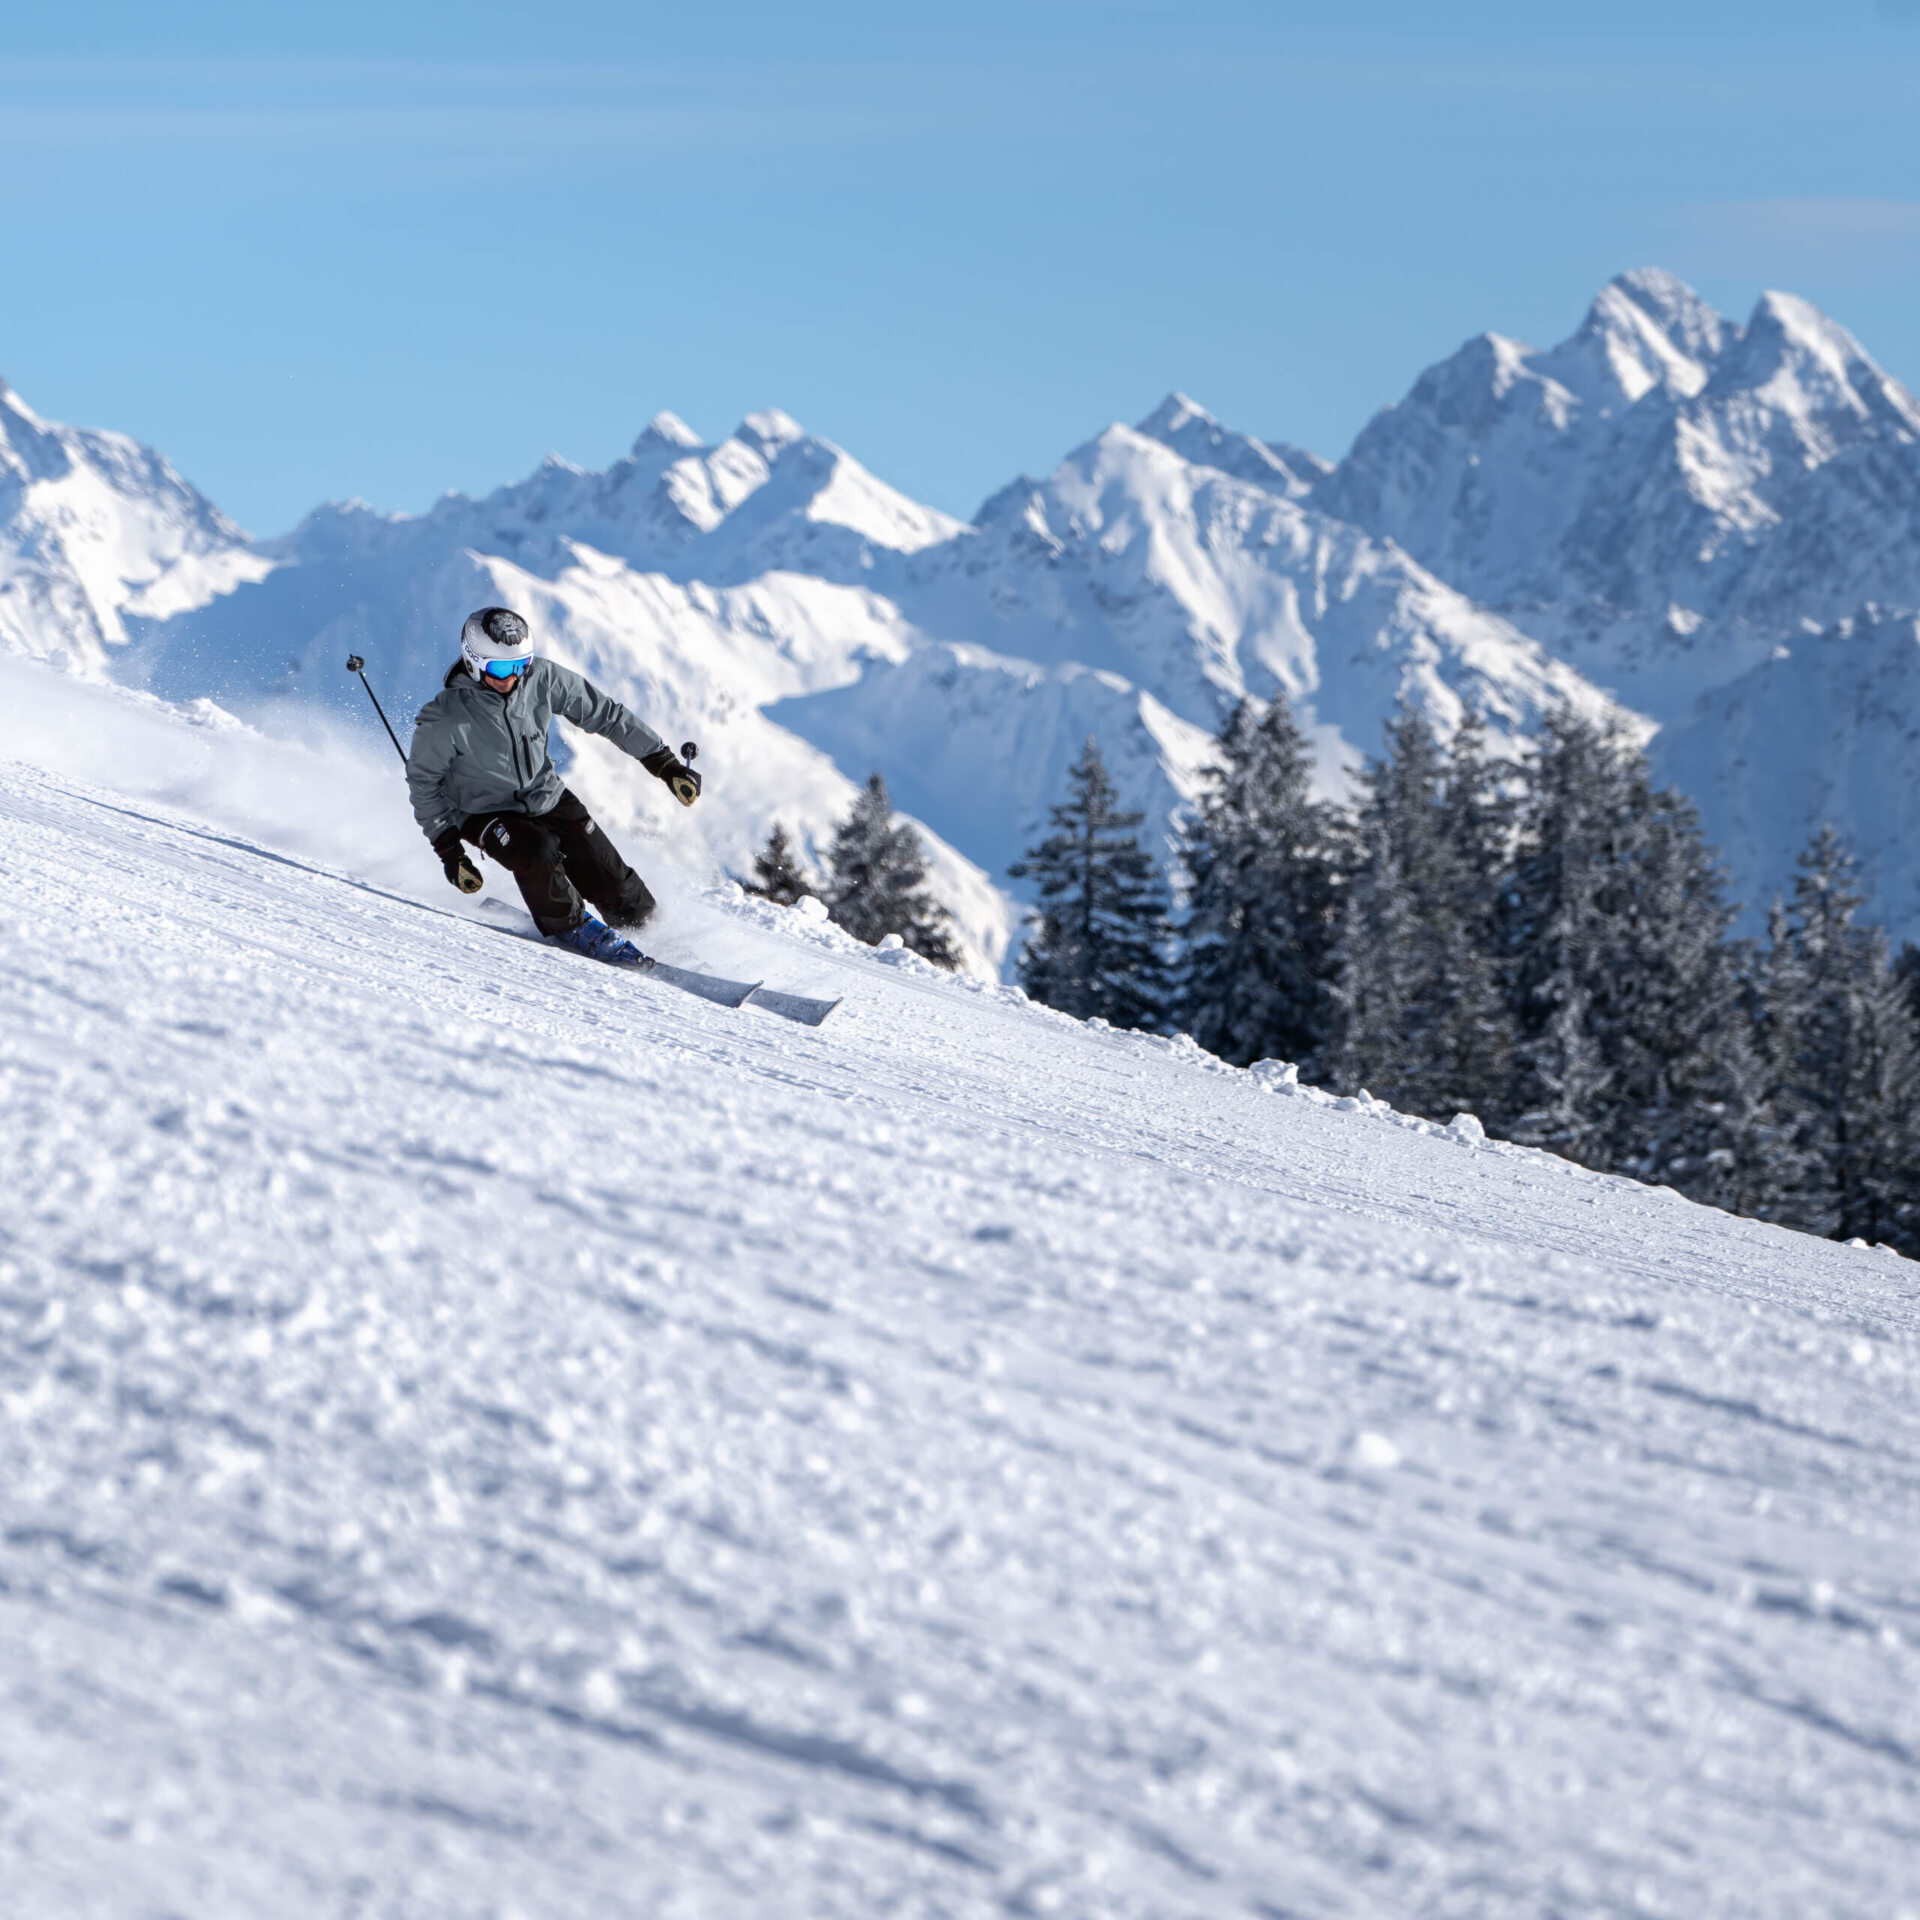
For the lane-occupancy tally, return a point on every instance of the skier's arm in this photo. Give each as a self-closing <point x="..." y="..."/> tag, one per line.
<point x="580" y="701"/>
<point x="576" y="698"/>
<point x="427" y="768"/>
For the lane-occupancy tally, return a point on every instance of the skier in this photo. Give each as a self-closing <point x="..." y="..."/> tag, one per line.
<point x="480" y="772"/>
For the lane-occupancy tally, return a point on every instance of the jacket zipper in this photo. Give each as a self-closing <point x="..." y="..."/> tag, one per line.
<point x="520" y="755"/>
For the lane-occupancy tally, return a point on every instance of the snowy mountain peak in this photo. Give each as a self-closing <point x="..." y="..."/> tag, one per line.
<point x="1193" y="433"/>
<point x="1471" y="389"/>
<point x="29" y="449"/>
<point x="780" y="491"/>
<point x="1685" y="321"/>
<point x="1807" y="366"/>
<point x="1173" y="413"/>
<point x="94" y="527"/>
<point x="665" y="429"/>
<point x="1647" y="329"/>
<point x="1656" y="441"/>
<point x="1644" y="330"/>
<point x="769" y="430"/>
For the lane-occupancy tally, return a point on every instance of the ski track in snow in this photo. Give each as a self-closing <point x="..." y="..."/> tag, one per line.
<point x="486" y="1435"/>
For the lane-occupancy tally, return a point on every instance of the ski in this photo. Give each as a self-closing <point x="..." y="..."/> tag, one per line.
<point x="709" y="986"/>
<point x="721" y="992"/>
<point x="792" y="1006"/>
<point x="800" y="1007"/>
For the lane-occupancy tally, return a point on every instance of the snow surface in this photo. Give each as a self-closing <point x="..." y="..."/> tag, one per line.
<point x="481" y="1434"/>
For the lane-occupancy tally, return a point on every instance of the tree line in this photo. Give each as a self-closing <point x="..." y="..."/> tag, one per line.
<point x="875" y="883"/>
<point x="1546" y="945"/>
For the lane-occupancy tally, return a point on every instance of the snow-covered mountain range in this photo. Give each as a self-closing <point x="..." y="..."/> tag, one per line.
<point x="1709" y="531"/>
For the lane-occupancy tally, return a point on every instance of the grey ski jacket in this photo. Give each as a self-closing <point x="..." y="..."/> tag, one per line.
<point x="477" y="751"/>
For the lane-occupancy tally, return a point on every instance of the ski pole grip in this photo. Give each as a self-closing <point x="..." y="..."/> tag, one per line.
<point x="685" y="784"/>
<point x="356" y="665"/>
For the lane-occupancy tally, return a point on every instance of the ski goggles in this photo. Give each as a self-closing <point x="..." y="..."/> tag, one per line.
<point x="507" y="669"/>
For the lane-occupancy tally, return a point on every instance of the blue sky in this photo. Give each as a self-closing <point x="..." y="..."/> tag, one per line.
<point x="389" y="249"/>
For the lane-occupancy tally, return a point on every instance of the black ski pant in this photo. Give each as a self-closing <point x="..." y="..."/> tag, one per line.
<point x="558" y="857"/>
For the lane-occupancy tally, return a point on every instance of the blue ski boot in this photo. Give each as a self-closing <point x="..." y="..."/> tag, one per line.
<point x="600" y="942"/>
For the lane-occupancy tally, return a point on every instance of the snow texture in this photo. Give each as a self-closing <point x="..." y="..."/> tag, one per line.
<point x="483" y="1435"/>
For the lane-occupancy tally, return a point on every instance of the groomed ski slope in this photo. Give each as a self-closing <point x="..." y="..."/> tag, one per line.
<point x="484" y="1435"/>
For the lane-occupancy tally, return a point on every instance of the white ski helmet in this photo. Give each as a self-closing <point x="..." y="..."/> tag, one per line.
<point x="494" y="634"/>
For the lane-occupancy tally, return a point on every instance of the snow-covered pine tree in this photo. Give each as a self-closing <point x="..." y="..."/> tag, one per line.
<point x="777" y="873"/>
<point x="1630" y="1024"/>
<point x="1778" y="991"/>
<point x="1745" y="1157"/>
<point x="1840" y="1037"/>
<point x="1381" y="1027"/>
<point x="1478" y="814"/>
<point x="876" y="881"/>
<point x="1690" y="1105"/>
<point x="1421" y="1020"/>
<point x="1265" y="865"/>
<point x="1098" y="944"/>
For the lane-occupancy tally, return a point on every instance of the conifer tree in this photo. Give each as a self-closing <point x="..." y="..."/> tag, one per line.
<point x="1690" y="1107"/>
<point x="1630" y="1022"/>
<point x="1265" y="865"/>
<point x="777" y="873"/>
<point x="1478" y="813"/>
<point x="876" y="881"/>
<point x="1743" y="1154"/>
<point x="1842" y="1043"/>
<point x="1421" y="1018"/>
<point x="1098" y="943"/>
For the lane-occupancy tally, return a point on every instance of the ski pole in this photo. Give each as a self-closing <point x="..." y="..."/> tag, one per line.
<point x="688" y="790"/>
<point x="356" y="665"/>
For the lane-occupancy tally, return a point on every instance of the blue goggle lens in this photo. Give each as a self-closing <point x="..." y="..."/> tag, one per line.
<point x="507" y="669"/>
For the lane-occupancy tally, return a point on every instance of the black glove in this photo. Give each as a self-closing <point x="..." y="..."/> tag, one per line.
<point x="460" y="871"/>
<point x="682" y="782"/>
